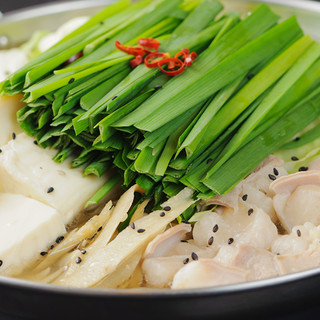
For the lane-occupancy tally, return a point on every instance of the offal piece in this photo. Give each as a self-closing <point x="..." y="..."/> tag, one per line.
<point x="207" y="273"/>
<point x="297" y="198"/>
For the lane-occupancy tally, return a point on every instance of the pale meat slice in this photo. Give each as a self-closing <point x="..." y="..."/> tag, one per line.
<point x="297" y="241"/>
<point x="158" y="272"/>
<point x="186" y="248"/>
<point x="261" y="176"/>
<point x="103" y="264"/>
<point x="210" y="225"/>
<point x="253" y="191"/>
<point x="207" y="273"/>
<point x="158" y="265"/>
<point x="289" y="244"/>
<point x="162" y="243"/>
<point x="259" y="263"/>
<point x="229" y="200"/>
<point x="253" y="228"/>
<point x="297" y="198"/>
<point x="256" y="186"/>
<point x="298" y="262"/>
<point x="301" y="238"/>
<point x="260" y="231"/>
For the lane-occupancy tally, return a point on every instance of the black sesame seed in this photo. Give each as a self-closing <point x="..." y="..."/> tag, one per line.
<point x="194" y="256"/>
<point x="184" y="240"/>
<point x="35" y="142"/>
<point x="185" y="261"/>
<point x="1" y="263"/>
<point x="167" y="208"/>
<point x="115" y="97"/>
<point x="141" y="230"/>
<point x="275" y="171"/>
<point x="13" y="135"/>
<point x="132" y="225"/>
<point x="78" y="260"/>
<point x="303" y="169"/>
<point x="59" y="239"/>
<point x="51" y="247"/>
<point x="51" y="189"/>
<point x="209" y="160"/>
<point x="297" y="139"/>
<point x="294" y="158"/>
<point x="71" y="80"/>
<point x="215" y="228"/>
<point x="210" y="241"/>
<point x="83" y="251"/>
<point x="230" y="240"/>
<point x="0" y="150"/>
<point x="185" y="221"/>
<point x="162" y="214"/>
<point x="298" y="233"/>
<point x="43" y="253"/>
<point x="272" y="177"/>
<point x="250" y="76"/>
<point x="158" y="86"/>
<point x="250" y="211"/>
<point x="245" y="197"/>
<point x="99" y="229"/>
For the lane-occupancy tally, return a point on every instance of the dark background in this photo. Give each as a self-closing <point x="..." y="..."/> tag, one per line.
<point x="310" y="313"/>
<point x="9" y="5"/>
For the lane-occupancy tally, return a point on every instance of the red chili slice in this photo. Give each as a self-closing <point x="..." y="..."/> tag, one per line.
<point x="152" y="59"/>
<point x="136" y="61"/>
<point x="149" y="43"/>
<point x="178" y="66"/>
<point x="182" y="55"/>
<point x="133" y="50"/>
<point x="189" y="58"/>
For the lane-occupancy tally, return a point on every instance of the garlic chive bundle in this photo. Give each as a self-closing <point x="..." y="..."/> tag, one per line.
<point x="245" y="95"/>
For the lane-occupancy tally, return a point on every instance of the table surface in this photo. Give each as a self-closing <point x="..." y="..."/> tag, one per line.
<point x="6" y="6"/>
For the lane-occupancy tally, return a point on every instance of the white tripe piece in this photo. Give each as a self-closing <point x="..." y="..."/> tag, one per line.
<point x="28" y="169"/>
<point x="27" y="228"/>
<point x="13" y="59"/>
<point x="52" y="38"/>
<point x="10" y="61"/>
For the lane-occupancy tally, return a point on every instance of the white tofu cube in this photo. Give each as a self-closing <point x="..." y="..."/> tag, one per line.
<point x="27" y="169"/>
<point x="27" y="228"/>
